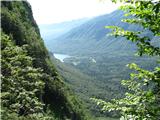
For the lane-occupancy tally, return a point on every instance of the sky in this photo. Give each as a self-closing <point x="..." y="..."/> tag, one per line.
<point x="56" y="11"/>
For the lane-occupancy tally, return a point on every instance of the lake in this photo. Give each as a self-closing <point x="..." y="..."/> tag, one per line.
<point x="61" y="57"/>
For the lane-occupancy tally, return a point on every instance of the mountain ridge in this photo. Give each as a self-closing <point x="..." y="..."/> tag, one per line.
<point x="50" y="31"/>
<point x="91" y="34"/>
<point x="90" y="41"/>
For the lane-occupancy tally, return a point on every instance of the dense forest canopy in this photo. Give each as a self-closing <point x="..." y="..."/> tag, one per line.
<point x="31" y="86"/>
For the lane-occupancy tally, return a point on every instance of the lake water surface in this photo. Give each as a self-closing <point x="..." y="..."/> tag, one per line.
<point x="61" y="57"/>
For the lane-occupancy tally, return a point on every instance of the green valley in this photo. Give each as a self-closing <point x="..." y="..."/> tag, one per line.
<point x="80" y="69"/>
<point x="97" y="61"/>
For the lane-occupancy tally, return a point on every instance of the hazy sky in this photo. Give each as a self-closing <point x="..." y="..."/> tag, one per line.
<point x="54" y="11"/>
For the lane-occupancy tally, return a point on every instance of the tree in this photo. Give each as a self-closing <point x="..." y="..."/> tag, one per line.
<point x="142" y="101"/>
<point x="22" y="84"/>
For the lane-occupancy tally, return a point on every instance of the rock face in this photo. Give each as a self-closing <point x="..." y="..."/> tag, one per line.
<point x="17" y="22"/>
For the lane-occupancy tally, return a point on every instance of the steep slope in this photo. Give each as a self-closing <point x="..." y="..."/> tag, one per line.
<point x="17" y="22"/>
<point x="91" y="37"/>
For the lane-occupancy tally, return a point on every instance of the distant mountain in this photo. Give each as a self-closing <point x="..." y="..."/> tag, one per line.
<point x="97" y="62"/>
<point x="91" y="36"/>
<point x="52" y="31"/>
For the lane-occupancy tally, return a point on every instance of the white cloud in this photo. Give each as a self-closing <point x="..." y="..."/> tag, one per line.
<point x="52" y="11"/>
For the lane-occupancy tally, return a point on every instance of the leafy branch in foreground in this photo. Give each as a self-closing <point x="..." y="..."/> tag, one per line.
<point x="144" y="44"/>
<point x="147" y="14"/>
<point x="142" y="100"/>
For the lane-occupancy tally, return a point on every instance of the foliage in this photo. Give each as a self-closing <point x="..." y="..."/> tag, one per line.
<point x="141" y="102"/>
<point x="21" y="83"/>
<point x="102" y="78"/>
<point x="99" y="79"/>
<point x="7" y="115"/>
<point x="147" y="14"/>
<point x="34" y="90"/>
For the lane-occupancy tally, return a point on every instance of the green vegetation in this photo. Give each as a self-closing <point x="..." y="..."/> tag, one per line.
<point x="31" y="86"/>
<point x="89" y="41"/>
<point x="20" y="79"/>
<point x="141" y="101"/>
<point x="100" y="79"/>
<point x="34" y="88"/>
<point x="22" y="84"/>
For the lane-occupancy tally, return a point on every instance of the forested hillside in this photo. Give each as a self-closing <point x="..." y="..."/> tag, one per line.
<point x="91" y="37"/>
<point x="92" y="82"/>
<point x="31" y="86"/>
<point x="97" y="61"/>
<point x="101" y="79"/>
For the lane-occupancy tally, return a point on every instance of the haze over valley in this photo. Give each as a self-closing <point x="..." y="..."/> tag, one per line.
<point x="96" y="62"/>
<point x="80" y="60"/>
